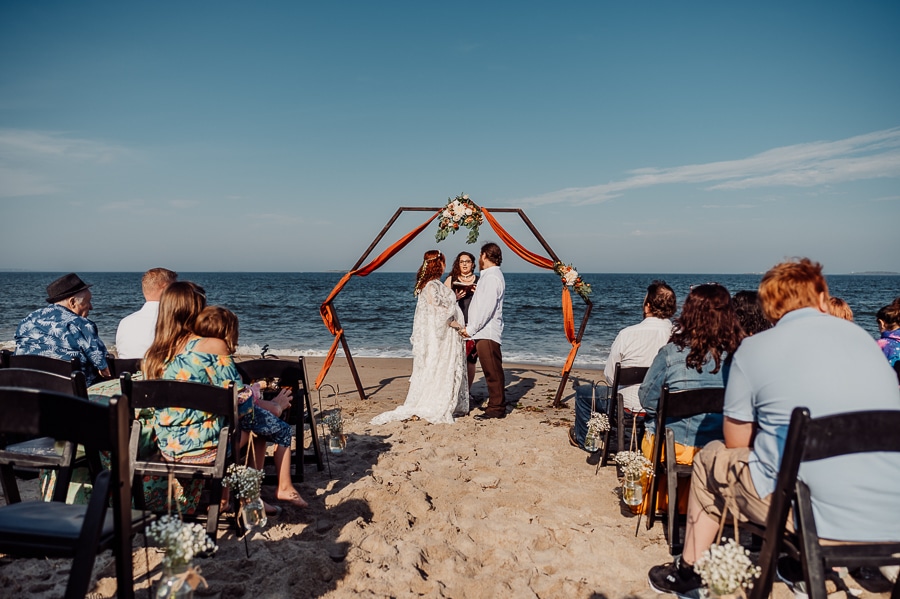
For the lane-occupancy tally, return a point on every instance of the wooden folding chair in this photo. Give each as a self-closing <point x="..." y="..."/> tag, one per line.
<point x="118" y="366"/>
<point x="25" y="456"/>
<point x="44" y="363"/>
<point x="810" y="439"/>
<point x="55" y="529"/>
<point x="290" y="374"/>
<point x="674" y="405"/>
<point x="219" y="401"/>
<point x="623" y="377"/>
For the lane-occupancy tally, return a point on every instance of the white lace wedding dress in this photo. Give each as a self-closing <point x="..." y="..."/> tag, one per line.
<point x="437" y="387"/>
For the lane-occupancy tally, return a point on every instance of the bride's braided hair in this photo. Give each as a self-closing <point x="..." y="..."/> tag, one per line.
<point x="432" y="268"/>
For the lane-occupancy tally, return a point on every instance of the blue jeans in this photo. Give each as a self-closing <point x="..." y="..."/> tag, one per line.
<point x="600" y="395"/>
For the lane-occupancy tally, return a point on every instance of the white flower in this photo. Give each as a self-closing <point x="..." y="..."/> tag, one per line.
<point x="180" y="541"/>
<point x="465" y="196"/>
<point x="599" y="423"/>
<point x="633" y="462"/>
<point x="468" y="212"/>
<point x="245" y="481"/>
<point x="726" y="568"/>
<point x="570" y="276"/>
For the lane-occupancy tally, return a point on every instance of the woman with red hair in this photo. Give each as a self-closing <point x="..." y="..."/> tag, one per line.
<point x="436" y="389"/>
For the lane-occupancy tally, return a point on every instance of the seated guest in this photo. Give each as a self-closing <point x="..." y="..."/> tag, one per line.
<point x="182" y="434"/>
<point x="749" y="312"/>
<point x="840" y="308"/>
<point x="135" y="332"/>
<point x="62" y="329"/>
<point x="773" y="372"/>
<point x="889" y="325"/>
<point x="636" y="345"/>
<point x="706" y="335"/>
<point x="260" y="416"/>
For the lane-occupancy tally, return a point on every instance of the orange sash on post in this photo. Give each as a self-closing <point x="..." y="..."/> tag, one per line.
<point x="327" y="310"/>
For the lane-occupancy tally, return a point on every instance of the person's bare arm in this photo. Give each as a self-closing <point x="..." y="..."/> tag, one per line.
<point x="738" y="433"/>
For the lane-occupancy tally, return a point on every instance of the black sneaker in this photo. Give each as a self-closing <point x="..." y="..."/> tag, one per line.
<point x="790" y="572"/>
<point x="675" y="578"/>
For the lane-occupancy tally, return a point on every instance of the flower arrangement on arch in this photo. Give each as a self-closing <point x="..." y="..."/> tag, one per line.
<point x="460" y="212"/>
<point x="726" y="568"/>
<point x="571" y="278"/>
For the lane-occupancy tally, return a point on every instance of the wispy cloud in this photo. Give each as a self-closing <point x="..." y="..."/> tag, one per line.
<point x="869" y="156"/>
<point x="31" y="160"/>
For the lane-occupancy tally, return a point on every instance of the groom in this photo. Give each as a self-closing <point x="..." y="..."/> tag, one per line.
<point x="485" y="326"/>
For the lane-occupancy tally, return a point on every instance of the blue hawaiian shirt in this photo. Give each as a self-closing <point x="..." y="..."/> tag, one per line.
<point x="57" y="332"/>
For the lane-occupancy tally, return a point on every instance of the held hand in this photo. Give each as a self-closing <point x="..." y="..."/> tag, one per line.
<point x="460" y="293"/>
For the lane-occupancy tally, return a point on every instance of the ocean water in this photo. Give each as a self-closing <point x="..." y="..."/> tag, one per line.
<point x="281" y="309"/>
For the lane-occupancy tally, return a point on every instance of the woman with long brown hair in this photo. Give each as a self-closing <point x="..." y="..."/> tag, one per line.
<point x="705" y="336"/>
<point x="436" y="388"/>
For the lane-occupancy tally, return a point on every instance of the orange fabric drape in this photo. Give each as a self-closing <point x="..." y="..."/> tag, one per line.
<point x="514" y="245"/>
<point x="538" y="260"/>
<point x="327" y="310"/>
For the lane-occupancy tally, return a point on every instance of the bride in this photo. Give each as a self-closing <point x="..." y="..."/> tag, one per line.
<point x="436" y="389"/>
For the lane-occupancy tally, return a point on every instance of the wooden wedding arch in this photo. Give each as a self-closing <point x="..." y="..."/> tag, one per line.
<point x="330" y="317"/>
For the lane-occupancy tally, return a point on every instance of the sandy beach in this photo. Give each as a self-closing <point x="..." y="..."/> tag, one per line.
<point x="501" y="508"/>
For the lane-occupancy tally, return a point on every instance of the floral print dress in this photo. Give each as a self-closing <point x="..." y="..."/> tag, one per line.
<point x="191" y="435"/>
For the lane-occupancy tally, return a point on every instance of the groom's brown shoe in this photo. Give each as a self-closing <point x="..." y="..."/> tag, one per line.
<point x="487" y="416"/>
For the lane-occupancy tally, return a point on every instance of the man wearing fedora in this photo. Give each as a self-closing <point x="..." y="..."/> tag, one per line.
<point x="62" y="329"/>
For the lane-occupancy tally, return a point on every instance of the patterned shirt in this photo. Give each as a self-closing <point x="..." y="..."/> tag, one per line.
<point x="890" y="345"/>
<point x="182" y="433"/>
<point x="57" y="332"/>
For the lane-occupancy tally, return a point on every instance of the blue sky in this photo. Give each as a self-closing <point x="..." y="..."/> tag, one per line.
<point x="281" y="136"/>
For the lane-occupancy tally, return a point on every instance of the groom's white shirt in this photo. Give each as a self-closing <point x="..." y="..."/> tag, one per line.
<point x="486" y="309"/>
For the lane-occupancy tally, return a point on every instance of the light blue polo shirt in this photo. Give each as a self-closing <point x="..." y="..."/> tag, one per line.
<point x="828" y="365"/>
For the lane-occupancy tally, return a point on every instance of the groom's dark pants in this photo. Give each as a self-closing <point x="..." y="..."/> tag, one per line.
<point x="492" y="366"/>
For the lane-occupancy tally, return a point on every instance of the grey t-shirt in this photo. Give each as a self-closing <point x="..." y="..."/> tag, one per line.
<point x="829" y="366"/>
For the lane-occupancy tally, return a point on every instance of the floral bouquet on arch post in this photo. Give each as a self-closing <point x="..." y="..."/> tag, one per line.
<point x="460" y="212"/>
<point x="571" y="278"/>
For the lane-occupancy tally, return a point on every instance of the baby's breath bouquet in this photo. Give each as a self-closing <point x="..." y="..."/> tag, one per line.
<point x="726" y="569"/>
<point x="334" y="422"/>
<point x="599" y="423"/>
<point x="181" y="541"/>
<point x="244" y="481"/>
<point x="633" y="463"/>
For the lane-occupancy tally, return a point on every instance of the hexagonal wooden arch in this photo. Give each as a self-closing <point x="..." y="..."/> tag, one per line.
<point x="329" y="314"/>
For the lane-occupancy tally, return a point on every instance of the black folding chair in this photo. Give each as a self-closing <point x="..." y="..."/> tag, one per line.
<point x="24" y="456"/>
<point x="674" y="405"/>
<point x="219" y="401"/>
<point x="45" y="363"/>
<point x="290" y="374"/>
<point x="118" y="366"/>
<point x="623" y="377"/>
<point x="810" y="439"/>
<point x="55" y="529"/>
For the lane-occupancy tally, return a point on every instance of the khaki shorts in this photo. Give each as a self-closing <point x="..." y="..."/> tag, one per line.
<point x="721" y="473"/>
